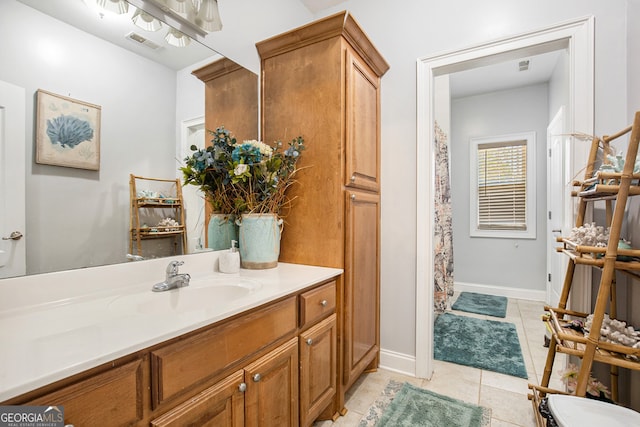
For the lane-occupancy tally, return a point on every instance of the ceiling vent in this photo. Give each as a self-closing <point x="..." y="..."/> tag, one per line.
<point x="143" y="41"/>
<point x="523" y="65"/>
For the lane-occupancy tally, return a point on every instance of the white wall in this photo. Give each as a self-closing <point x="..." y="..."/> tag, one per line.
<point x="559" y="85"/>
<point x="511" y="263"/>
<point x="138" y="100"/>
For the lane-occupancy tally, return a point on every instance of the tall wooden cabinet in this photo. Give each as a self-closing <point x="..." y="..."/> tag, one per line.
<point x="322" y="81"/>
<point x="231" y="100"/>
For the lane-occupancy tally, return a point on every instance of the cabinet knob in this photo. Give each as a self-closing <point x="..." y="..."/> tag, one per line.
<point x="353" y="178"/>
<point x="309" y="341"/>
<point x="242" y="387"/>
<point x="256" y="378"/>
<point x="323" y="303"/>
<point x="353" y="197"/>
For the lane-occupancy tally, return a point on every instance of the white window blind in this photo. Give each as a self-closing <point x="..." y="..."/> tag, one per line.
<point x="502" y="185"/>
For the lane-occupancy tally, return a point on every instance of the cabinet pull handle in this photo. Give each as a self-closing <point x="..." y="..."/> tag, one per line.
<point x="353" y="178"/>
<point x="323" y="303"/>
<point x="257" y="378"/>
<point x="242" y="387"/>
<point x="353" y="197"/>
<point x="309" y="341"/>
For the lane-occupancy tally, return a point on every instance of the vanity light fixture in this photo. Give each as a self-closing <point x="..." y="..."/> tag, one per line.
<point x="208" y="17"/>
<point x="176" y="38"/>
<point x="179" y="6"/>
<point x="115" y="6"/>
<point x="146" y="21"/>
<point x="201" y="16"/>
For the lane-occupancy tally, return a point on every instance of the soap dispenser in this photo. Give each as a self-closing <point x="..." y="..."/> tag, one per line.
<point x="229" y="262"/>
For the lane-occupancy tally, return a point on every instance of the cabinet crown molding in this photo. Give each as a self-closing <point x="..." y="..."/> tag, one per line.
<point x="217" y="69"/>
<point x="341" y="24"/>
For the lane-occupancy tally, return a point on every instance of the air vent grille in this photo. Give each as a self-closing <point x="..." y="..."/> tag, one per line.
<point x="137" y="38"/>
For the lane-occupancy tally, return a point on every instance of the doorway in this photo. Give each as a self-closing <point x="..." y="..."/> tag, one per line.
<point x="12" y="183"/>
<point x="577" y="38"/>
<point x="193" y="133"/>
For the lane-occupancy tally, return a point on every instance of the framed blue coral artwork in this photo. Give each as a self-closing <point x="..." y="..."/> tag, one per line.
<point x="67" y="132"/>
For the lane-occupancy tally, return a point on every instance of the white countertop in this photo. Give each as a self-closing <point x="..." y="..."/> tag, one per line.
<point x="60" y="324"/>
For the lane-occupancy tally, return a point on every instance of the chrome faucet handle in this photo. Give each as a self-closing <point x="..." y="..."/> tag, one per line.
<point x="172" y="268"/>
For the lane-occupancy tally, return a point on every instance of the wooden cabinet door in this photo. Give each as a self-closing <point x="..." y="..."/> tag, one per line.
<point x="112" y="398"/>
<point x="317" y="369"/>
<point x="362" y="125"/>
<point x="221" y="405"/>
<point x="272" y="388"/>
<point x="361" y="286"/>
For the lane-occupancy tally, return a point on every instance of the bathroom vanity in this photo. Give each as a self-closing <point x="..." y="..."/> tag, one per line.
<point x="253" y="348"/>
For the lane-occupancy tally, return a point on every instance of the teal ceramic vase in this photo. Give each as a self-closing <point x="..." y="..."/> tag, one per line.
<point x="259" y="240"/>
<point x="221" y="231"/>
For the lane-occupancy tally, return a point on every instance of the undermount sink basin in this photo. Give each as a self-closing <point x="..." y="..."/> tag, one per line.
<point x="201" y="294"/>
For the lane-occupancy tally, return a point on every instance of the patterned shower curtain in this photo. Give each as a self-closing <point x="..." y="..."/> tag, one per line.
<point x="443" y="232"/>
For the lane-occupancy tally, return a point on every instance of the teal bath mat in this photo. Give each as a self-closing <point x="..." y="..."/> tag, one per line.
<point x="405" y="405"/>
<point x="484" y="344"/>
<point x="490" y="305"/>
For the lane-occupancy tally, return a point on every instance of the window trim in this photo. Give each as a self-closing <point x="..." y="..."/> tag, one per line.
<point x="530" y="232"/>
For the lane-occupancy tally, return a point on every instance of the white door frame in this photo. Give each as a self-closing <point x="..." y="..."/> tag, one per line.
<point x="578" y="37"/>
<point x="193" y="200"/>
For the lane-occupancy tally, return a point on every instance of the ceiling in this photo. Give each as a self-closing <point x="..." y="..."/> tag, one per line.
<point x="504" y="75"/>
<point x="83" y="14"/>
<point x="316" y="6"/>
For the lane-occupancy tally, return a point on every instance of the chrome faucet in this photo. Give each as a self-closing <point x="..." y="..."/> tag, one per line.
<point x="173" y="279"/>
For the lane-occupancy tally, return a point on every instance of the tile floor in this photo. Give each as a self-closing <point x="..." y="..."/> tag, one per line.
<point x="504" y="394"/>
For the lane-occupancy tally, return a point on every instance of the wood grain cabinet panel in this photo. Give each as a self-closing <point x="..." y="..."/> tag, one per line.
<point x="361" y="294"/>
<point x="272" y="388"/>
<point x="231" y="100"/>
<point x="362" y="144"/>
<point x="322" y="81"/>
<point x="178" y="366"/>
<point x="111" y="398"/>
<point x="318" y="363"/>
<point x="317" y="303"/>
<point x="221" y="405"/>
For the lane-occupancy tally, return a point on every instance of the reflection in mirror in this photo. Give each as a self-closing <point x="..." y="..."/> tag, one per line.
<point x="79" y="218"/>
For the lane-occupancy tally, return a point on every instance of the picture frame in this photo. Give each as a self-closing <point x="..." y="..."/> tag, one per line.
<point x="67" y="132"/>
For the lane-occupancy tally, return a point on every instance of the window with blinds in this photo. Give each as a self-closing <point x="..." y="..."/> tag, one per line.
<point x="503" y="186"/>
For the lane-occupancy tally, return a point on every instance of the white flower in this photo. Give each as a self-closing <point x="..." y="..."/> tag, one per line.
<point x="240" y="169"/>
<point x="265" y="150"/>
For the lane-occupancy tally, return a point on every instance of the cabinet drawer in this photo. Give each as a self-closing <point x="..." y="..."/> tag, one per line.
<point x="178" y="366"/>
<point x="317" y="303"/>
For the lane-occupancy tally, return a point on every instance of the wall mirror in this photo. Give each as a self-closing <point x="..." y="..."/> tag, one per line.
<point x="79" y="218"/>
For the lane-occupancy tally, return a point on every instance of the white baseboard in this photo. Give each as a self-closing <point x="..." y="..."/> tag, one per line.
<point x="502" y="291"/>
<point x="397" y="362"/>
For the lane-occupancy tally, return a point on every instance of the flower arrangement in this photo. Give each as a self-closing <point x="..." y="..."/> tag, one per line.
<point x="244" y="177"/>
